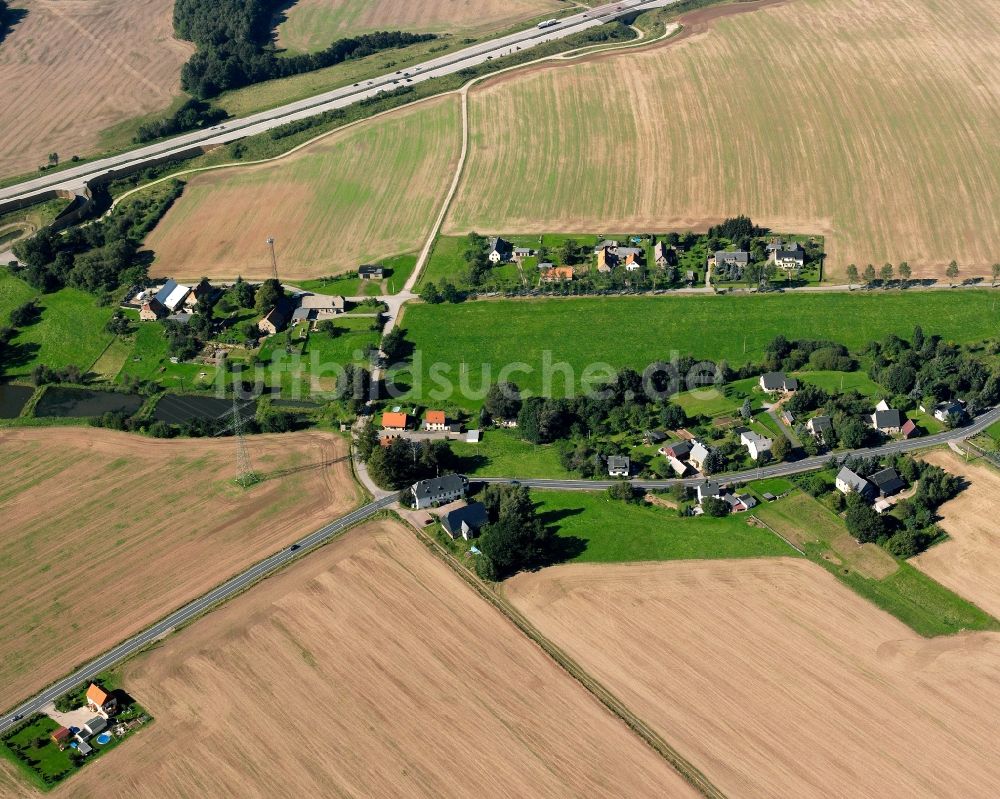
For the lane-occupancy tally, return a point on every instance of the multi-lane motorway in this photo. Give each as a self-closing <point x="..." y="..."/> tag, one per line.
<point x="75" y="178"/>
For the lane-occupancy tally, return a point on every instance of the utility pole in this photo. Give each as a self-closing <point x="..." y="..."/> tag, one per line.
<point x="244" y="468"/>
<point x="274" y="260"/>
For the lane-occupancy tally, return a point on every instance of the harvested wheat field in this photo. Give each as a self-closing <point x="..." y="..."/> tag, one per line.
<point x="364" y="193"/>
<point x="969" y="561"/>
<point x="73" y="68"/>
<point x="105" y="532"/>
<point x="311" y="25"/>
<point x="773" y="113"/>
<point x="367" y="669"/>
<point x="776" y="680"/>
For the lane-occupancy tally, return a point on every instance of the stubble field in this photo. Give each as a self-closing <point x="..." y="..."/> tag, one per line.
<point x="311" y="25"/>
<point x="969" y="561"/>
<point x="368" y="192"/>
<point x="775" y="680"/>
<point x="775" y="113"/>
<point x="368" y="669"/>
<point x="105" y="532"/>
<point x="73" y="68"/>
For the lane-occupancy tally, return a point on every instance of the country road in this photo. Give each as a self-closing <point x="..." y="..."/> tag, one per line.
<point x="75" y="178"/>
<point x="194" y="609"/>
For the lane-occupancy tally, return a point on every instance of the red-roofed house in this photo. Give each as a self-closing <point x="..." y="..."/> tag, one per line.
<point x="100" y="700"/>
<point x="910" y="429"/>
<point x="435" y="420"/>
<point x="392" y="420"/>
<point x="61" y="736"/>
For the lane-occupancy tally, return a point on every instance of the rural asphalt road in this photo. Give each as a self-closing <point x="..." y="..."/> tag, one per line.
<point x="75" y="178"/>
<point x="196" y="608"/>
<point x="330" y="531"/>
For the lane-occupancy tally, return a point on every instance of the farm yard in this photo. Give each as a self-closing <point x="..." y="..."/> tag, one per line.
<point x="312" y="25"/>
<point x="797" y="136"/>
<point x="387" y="643"/>
<point x="90" y="66"/>
<point x="105" y="532"/>
<point x="969" y="560"/>
<point x="333" y="205"/>
<point x="775" y="680"/>
<point x="483" y="337"/>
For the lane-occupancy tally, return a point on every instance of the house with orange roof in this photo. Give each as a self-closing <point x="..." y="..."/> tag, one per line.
<point x="395" y="420"/>
<point x="557" y="273"/>
<point x="435" y="420"/>
<point x="100" y="700"/>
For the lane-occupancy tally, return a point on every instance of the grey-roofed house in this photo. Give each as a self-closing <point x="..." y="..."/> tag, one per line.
<point x="172" y="295"/>
<point x="501" y="250"/>
<point x="790" y="257"/>
<point x="95" y="725"/>
<point x="755" y="443"/>
<point x="948" y="408"/>
<point x="523" y="252"/>
<point x="277" y="318"/>
<point x="820" y="426"/>
<point x="887" y="481"/>
<point x="709" y="488"/>
<point x="739" y="502"/>
<point x="890" y="421"/>
<point x="608" y="244"/>
<point x="699" y="453"/>
<point x="82" y="746"/>
<point x="653" y="436"/>
<point x="439" y="490"/>
<point x="732" y="258"/>
<point x="465" y="522"/>
<point x="619" y="465"/>
<point x="848" y="482"/>
<point x="679" y="449"/>
<point x="371" y="271"/>
<point x="774" y="382"/>
<point x="317" y="307"/>
<point x="660" y="254"/>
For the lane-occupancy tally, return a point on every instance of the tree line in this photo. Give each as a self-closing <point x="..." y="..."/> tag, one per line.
<point x="234" y="45"/>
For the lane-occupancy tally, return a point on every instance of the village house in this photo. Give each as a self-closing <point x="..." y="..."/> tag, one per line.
<point x="95" y="726"/>
<point x="910" y="429"/>
<point x="848" y="482"/>
<point x="523" y="252"/>
<point x="371" y="271"/>
<point x="619" y="465"/>
<point x="756" y="444"/>
<point x="790" y="258"/>
<point x="172" y="295"/>
<point x="888" y="421"/>
<point x="709" y="488"/>
<point x="887" y="482"/>
<point x="660" y="255"/>
<point x="739" y="503"/>
<point x="100" y="701"/>
<point x="61" y="737"/>
<point x="650" y="437"/>
<point x="276" y="319"/>
<point x="604" y="261"/>
<point x="778" y="383"/>
<point x="152" y="310"/>
<point x="739" y="258"/>
<point x="501" y="250"/>
<point x="680" y="467"/>
<point x="395" y="420"/>
<point x="943" y="411"/>
<point x="632" y="263"/>
<point x="435" y="420"/>
<point x="680" y="450"/>
<point x="821" y="427"/>
<point x="315" y="308"/>
<point x="439" y="490"/>
<point x="699" y="453"/>
<point x="556" y="274"/>
<point x="199" y="294"/>
<point x="465" y="522"/>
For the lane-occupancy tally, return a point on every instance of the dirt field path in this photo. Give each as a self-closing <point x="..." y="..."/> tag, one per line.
<point x="368" y="669"/>
<point x="776" y="680"/>
<point x="105" y="532"/>
<point x="969" y="562"/>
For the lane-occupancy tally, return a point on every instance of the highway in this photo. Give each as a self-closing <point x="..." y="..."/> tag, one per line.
<point x="75" y="178"/>
<point x="784" y="469"/>
<point x="194" y="609"/>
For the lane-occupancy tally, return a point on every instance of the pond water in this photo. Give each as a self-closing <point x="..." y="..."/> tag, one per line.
<point x="177" y="408"/>
<point x="12" y="399"/>
<point x="80" y="402"/>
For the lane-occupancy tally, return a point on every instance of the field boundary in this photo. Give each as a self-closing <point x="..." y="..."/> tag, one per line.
<point x="691" y="773"/>
<point x="766" y="526"/>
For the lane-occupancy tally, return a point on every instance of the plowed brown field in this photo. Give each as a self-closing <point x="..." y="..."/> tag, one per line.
<point x="102" y="533"/>
<point x="369" y="669"/>
<point x="776" y="680"/>
<point x="72" y="68"/>
<point x="969" y="562"/>
<point x="873" y="123"/>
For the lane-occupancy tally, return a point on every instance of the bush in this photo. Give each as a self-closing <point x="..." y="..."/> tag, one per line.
<point x="715" y="507"/>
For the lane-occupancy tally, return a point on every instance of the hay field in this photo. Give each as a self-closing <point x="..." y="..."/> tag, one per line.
<point x="311" y="25"/>
<point x="777" y="113"/>
<point x="364" y="193"/>
<point x="105" y="532"/>
<point x="969" y="562"/>
<point x="368" y="669"/>
<point x="72" y="68"/>
<point x="775" y="680"/>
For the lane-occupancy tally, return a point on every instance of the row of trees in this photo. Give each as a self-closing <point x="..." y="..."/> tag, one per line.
<point x="98" y="257"/>
<point x="234" y="45"/>
<point x="515" y="537"/>
<point x="885" y="274"/>
<point x="192" y="114"/>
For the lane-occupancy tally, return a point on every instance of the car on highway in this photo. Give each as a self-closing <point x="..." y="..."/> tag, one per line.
<point x="18" y="717"/>
<point x="294" y="547"/>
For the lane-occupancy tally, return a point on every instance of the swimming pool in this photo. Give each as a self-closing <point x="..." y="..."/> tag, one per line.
<point x="103" y="738"/>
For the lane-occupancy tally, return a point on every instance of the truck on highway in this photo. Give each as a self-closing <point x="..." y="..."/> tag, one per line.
<point x="548" y="23"/>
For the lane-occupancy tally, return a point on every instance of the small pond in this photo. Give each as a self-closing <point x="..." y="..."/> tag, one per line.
<point x="13" y="399"/>
<point x="62" y="402"/>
